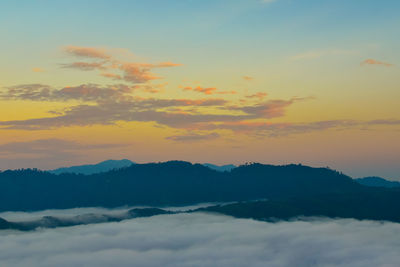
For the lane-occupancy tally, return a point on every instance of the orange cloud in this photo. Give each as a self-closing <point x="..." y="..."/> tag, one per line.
<point x="247" y="78"/>
<point x="166" y="65"/>
<point x="128" y="71"/>
<point x="37" y="70"/>
<point x="207" y="90"/>
<point x="204" y="90"/>
<point x="111" y="75"/>
<point x="227" y="92"/>
<point x="371" y="61"/>
<point x="136" y="74"/>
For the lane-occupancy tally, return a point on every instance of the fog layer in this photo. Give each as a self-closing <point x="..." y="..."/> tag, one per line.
<point x="201" y="239"/>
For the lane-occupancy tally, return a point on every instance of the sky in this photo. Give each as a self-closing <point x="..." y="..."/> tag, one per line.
<point x="275" y="81"/>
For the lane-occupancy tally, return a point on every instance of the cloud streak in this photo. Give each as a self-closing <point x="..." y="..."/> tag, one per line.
<point x="83" y="92"/>
<point x="132" y="72"/>
<point x="191" y="137"/>
<point x="259" y="95"/>
<point x="87" y="52"/>
<point x="248" y="78"/>
<point x="371" y="61"/>
<point x="207" y="90"/>
<point x="150" y="110"/>
<point x="107" y="105"/>
<point x="269" y="129"/>
<point x="116" y="104"/>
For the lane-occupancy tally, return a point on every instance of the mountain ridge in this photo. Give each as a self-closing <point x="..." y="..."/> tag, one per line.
<point x="88" y="169"/>
<point x="375" y="181"/>
<point x="221" y="168"/>
<point x="166" y="183"/>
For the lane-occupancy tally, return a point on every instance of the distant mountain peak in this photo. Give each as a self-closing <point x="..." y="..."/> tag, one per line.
<point x="220" y="168"/>
<point x="88" y="169"/>
<point x="377" y="182"/>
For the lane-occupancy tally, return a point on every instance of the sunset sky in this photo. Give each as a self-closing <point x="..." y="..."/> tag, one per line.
<point x="315" y="82"/>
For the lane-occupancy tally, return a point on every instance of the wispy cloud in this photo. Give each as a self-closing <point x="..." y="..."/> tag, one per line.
<point x="268" y="109"/>
<point x="248" y="78"/>
<point x="146" y="109"/>
<point x="375" y="62"/>
<point x="191" y="137"/>
<point x="115" y="104"/>
<point x="207" y="90"/>
<point x="259" y="95"/>
<point x="204" y="90"/>
<point x="111" y="67"/>
<point x="84" y="92"/>
<point x="260" y="129"/>
<point x="93" y="104"/>
<point x="85" y="65"/>
<point x="88" y="52"/>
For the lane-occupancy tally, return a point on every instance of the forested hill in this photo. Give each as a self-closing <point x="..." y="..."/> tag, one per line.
<point x="168" y="183"/>
<point x="88" y="169"/>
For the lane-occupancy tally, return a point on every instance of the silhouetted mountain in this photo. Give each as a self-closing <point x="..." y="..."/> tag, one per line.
<point x="6" y="225"/>
<point x="371" y="205"/>
<point x="103" y="166"/>
<point x="168" y="183"/>
<point x="53" y="222"/>
<point x="221" y="168"/>
<point x="377" y="182"/>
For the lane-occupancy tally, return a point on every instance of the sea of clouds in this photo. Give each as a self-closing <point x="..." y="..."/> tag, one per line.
<point x="20" y="216"/>
<point x="200" y="239"/>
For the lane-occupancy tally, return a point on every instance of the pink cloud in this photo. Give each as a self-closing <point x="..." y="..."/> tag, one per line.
<point x="371" y="61"/>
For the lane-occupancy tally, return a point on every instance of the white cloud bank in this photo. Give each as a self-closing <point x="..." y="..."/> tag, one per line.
<point x="206" y="240"/>
<point x="21" y="216"/>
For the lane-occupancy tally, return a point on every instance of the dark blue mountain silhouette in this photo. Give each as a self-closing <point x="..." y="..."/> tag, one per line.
<point x="377" y="204"/>
<point x="290" y="191"/>
<point x="221" y="168"/>
<point x="377" y="182"/>
<point x="168" y="183"/>
<point x="103" y="166"/>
